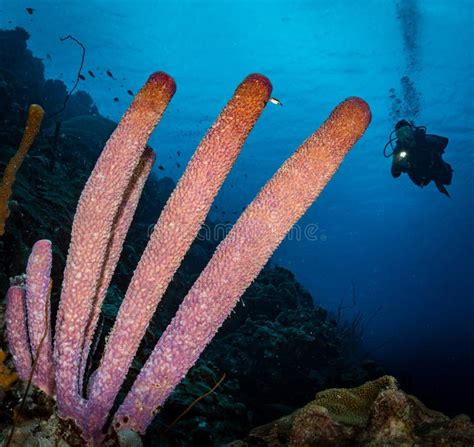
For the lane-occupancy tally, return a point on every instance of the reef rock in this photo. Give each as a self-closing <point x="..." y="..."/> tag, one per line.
<point x="375" y="414"/>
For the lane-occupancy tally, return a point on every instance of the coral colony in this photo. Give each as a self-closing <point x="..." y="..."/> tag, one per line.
<point x="103" y="215"/>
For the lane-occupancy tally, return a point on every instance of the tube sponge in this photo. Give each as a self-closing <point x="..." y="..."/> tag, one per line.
<point x="33" y="124"/>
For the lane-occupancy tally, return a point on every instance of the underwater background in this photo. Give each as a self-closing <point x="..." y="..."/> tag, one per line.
<point x="394" y="257"/>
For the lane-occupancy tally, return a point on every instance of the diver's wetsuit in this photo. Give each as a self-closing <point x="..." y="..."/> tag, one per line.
<point x="423" y="162"/>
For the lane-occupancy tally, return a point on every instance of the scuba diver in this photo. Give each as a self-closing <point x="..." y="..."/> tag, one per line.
<point x="420" y="156"/>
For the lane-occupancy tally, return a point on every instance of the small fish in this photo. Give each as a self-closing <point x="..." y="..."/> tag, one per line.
<point x="92" y="75"/>
<point x="178" y="165"/>
<point x="30" y="11"/>
<point x="82" y="77"/>
<point x="161" y="168"/>
<point x="109" y="73"/>
<point x="116" y="99"/>
<point x="130" y="92"/>
<point x="275" y="101"/>
<point x="48" y="56"/>
<point x="245" y="175"/>
<point x="179" y="153"/>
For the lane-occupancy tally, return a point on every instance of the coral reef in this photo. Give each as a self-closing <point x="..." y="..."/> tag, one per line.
<point x="33" y="124"/>
<point x="376" y="414"/>
<point x="46" y="191"/>
<point x="274" y="326"/>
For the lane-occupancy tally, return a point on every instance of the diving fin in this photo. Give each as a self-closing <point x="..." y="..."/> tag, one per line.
<point x="442" y="189"/>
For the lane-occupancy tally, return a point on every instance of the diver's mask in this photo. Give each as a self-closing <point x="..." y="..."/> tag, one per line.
<point x="405" y="135"/>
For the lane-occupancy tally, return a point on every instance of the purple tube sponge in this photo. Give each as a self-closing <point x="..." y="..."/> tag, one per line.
<point x="103" y="215"/>
<point x="17" y="332"/>
<point x="28" y="320"/>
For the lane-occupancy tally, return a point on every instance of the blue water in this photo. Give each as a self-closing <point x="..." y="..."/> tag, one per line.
<point x="408" y="251"/>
